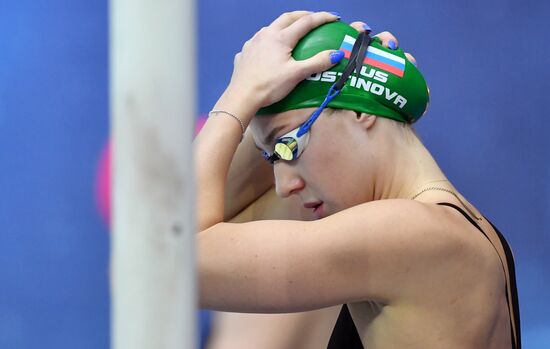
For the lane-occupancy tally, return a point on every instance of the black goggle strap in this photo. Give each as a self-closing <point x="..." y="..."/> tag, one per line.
<point x="356" y="59"/>
<point x="355" y="62"/>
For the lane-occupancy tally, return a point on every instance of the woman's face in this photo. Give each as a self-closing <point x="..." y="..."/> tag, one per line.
<point x="335" y="170"/>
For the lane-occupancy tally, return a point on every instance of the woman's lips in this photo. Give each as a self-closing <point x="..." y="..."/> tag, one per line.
<point x="312" y="204"/>
<point x="317" y="208"/>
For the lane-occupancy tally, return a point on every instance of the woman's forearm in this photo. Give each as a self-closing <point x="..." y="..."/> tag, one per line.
<point x="250" y="176"/>
<point x="214" y="149"/>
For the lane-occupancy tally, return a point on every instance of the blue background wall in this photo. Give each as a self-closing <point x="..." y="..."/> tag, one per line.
<point x="486" y="63"/>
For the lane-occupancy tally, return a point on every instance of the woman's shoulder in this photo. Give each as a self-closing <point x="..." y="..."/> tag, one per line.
<point x="397" y="247"/>
<point x="429" y="228"/>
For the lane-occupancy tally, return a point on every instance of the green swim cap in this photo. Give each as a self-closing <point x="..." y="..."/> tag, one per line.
<point x="388" y="85"/>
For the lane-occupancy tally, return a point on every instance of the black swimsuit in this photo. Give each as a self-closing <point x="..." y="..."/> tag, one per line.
<point x="345" y="333"/>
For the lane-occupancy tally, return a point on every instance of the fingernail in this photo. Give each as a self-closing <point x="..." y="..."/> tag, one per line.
<point x="335" y="14"/>
<point x="336" y="56"/>
<point x="366" y="27"/>
<point x="392" y="45"/>
<point x="414" y="63"/>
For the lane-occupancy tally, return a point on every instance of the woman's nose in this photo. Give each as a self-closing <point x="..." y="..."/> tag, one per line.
<point x="287" y="180"/>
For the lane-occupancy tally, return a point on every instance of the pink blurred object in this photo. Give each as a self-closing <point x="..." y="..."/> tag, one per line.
<point x="103" y="177"/>
<point x="103" y="184"/>
<point x="199" y="123"/>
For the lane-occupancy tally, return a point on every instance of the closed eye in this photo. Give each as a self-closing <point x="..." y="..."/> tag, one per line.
<point x="263" y="152"/>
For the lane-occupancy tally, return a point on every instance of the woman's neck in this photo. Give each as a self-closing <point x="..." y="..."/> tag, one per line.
<point x="407" y="169"/>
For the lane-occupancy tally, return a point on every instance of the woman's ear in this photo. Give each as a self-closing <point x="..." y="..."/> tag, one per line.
<point x="366" y="120"/>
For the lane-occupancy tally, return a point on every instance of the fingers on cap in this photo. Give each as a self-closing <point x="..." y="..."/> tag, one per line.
<point x="411" y="58"/>
<point x="288" y="18"/>
<point x="316" y="64"/>
<point x="305" y="24"/>
<point x="360" y="26"/>
<point x="386" y="37"/>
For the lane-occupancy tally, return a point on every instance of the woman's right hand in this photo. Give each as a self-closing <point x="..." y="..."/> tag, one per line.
<point x="265" y="72"/>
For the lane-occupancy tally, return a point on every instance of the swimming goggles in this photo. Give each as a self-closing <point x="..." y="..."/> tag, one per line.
<point x="292" y="144"/>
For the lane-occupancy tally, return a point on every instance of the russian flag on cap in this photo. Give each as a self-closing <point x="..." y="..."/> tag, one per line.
<point x="376" y="57"/>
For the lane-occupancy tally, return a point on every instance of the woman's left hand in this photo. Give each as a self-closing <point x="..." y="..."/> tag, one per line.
<point x="266" y="72"/>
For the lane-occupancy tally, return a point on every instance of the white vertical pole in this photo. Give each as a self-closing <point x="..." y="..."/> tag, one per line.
<point x="152" y="107"/>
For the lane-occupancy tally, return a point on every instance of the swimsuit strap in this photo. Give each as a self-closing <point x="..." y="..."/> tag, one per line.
<point x="511" y="288"/>
<point x="344" y="334"/>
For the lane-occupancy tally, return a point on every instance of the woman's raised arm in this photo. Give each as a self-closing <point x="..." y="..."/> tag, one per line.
<point x="264" y="72"/>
